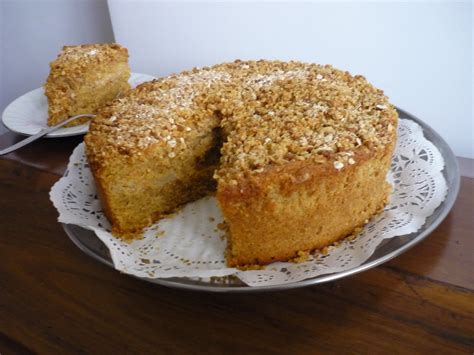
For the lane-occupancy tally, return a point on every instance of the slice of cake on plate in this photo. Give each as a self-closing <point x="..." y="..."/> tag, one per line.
<point x="83" y="78"/>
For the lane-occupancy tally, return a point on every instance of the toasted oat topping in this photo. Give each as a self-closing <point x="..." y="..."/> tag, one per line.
<point x="271" y="113"/>
<point x="161" y="112"/>
<point x="72" y="60"/>
<point x="88" y="52"/>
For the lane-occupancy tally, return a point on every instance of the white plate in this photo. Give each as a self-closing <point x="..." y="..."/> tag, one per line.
<point x="28" y="114"/>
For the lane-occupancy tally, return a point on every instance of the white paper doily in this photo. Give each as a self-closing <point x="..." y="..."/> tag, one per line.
<point x="190" y="244"/>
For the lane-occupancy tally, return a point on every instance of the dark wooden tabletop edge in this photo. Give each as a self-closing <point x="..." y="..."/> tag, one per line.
<point x="466" y="167"/>
<point x="419" y="277"/>
<point x="29" y="166"/>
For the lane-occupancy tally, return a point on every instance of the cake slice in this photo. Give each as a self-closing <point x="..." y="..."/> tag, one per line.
<point x="83" y="78"/>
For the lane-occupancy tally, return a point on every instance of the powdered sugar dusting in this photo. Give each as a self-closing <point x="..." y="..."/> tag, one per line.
<point x="259" y="80"/>
<point x="161" y="113"/>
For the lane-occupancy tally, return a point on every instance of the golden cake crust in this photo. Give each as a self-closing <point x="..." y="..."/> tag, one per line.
<point x="289" y="129"/>
<point x="301" y="206"/>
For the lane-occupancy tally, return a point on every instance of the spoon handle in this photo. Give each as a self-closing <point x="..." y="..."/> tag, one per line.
<point x="40" y="134"/>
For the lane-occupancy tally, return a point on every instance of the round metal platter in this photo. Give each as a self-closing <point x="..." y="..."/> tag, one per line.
<point x="91" y="245"/>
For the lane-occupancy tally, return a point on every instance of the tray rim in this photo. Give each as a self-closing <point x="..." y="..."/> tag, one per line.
<point x="446" y="206"/>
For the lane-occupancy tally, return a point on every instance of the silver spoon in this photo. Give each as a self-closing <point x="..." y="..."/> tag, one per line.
<point x="41" y="134"/>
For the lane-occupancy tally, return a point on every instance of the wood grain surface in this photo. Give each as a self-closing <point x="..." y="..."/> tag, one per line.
<point x="55" y="299"/>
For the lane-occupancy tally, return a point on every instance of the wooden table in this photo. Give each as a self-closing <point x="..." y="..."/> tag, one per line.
<point x="55" y="299"/>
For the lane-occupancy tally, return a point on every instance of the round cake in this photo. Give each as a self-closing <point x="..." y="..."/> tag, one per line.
<point x="297" y="154"/>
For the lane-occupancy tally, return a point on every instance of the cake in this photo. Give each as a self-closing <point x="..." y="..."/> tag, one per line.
<point x="296" y="153"/>
<point x="83" y="78"/>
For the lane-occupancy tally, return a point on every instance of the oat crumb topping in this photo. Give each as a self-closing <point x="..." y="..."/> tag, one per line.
<point x="270" y="112"/>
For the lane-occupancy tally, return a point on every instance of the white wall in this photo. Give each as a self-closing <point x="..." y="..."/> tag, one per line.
<point x="32" y="33"/>
<point x="419" y="53"/>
